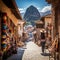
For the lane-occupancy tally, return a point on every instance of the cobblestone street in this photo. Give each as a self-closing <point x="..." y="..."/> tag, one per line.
<point x="32" y="52"/>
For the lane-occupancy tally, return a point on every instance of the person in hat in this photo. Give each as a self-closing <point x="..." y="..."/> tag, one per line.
<point x="43" y="40"/>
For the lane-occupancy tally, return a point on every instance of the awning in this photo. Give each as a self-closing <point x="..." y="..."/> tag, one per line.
<point x="12" y="5"/>
<point x="39" y="22"/>
<point x="7" y="10"/>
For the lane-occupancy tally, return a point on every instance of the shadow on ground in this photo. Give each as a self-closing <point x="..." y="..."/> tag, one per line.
<point x="17" y="56"/>
<point x="45" y="54"/>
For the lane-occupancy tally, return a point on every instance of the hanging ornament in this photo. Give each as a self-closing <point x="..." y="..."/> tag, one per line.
<point x="4" y="21"/>
<point x="4" y="27"/>
<point x="4" y="49"/>
<point x="3" y="39"/>
<point x="4" y="31"/>
<point x="3" y="45"/>
<point x="3" y="36"/>
<point x="1" y="53"/>
<point x="4" y="16"/>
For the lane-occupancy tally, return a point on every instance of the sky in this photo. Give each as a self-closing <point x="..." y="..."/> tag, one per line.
<point x="41" y="5"/>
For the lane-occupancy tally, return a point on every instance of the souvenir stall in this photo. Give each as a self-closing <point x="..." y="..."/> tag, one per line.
<point x="3" y="32"/>
<point x="8" y="21"/>
<point x="8" y="37"/>
<point x="56" y="23"/>
<point x="0" y="38"/>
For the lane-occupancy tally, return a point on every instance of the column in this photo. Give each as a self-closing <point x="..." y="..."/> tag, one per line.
<point x="53" y="23"/>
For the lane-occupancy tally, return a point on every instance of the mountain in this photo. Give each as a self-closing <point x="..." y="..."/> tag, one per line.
<point x="41" y="13"/>
<point x="45" y="13"/>
<point x="32" y="14"/>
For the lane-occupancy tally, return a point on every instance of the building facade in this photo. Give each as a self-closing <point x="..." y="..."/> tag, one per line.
<point x="9" y="16"/>
<point x="56" y="20"/>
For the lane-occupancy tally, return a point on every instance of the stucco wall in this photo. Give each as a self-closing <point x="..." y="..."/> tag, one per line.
<point x="47" y="20"/>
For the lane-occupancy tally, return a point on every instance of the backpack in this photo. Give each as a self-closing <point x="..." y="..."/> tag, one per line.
<point x="42" y="35"/>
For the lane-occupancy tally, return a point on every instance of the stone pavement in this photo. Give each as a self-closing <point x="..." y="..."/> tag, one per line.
<point x="31" y="52"/>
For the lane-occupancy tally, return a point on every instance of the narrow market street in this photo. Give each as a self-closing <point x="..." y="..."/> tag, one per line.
<point x="30" y="52"/>
<point x="30" y="30"/>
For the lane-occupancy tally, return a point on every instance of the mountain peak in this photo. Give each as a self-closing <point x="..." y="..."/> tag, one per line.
<point x="31" y="6"/>
<point x="32" y="14"/>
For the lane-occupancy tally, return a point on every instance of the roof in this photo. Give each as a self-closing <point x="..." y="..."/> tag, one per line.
<point x="39" y="22"/>
<point x="48" y="16"/>
<point x="12" y="5"/>
<point x="49" y="1"/>
<point x="53" y="1"/>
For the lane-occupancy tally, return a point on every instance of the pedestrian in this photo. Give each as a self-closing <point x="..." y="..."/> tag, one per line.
<point x="43" y="41"/>
<point x="31" y="36"/>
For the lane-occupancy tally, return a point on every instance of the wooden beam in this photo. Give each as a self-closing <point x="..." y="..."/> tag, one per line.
<point x="49" y="1"/>
<point x="13" y="6"/>
<point x="53" y="1"/>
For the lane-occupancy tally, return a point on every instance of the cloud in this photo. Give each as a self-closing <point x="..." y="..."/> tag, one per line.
<point x="22" y="10"/>
<point x="38" y="8"/>
<point x="46" y="8"/>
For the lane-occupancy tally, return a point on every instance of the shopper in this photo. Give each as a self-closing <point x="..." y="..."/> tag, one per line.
<point x="43" y="41"/>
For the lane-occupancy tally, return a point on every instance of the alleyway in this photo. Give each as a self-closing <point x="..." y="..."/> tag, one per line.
<point x="32" y="52"/>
